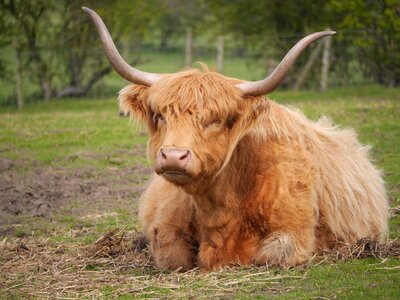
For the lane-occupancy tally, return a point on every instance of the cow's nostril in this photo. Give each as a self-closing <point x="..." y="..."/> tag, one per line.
<point x="163" y="155"/>
<point x="185" y="156"/>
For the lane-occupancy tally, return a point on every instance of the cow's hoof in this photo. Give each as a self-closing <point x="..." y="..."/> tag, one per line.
<point x="140" y="243"/>
<point x="277" y="250"/>
<point x="171" y="251"/>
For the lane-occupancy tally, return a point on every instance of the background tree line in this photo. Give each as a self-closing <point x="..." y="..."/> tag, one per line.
<point x="53" y="44"/>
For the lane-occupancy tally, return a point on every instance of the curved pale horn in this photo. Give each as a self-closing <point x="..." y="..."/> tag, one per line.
<point x="267" y="85"/>
<point x="120" y="65"/>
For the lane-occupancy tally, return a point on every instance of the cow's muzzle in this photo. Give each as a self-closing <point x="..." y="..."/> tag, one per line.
<point x="174" y="163"/>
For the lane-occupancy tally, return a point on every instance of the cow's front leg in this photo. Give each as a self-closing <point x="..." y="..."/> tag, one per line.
<point x="216" y="252"/>
<point x="223" y="246"/>
<point x="171" y="247"/>
<point x="166" y="217"/>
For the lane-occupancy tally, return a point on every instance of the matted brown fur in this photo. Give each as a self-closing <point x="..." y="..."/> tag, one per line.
<point x="265" y="185"/>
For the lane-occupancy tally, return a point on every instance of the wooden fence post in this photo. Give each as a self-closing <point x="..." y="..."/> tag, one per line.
<point x="188" y="47"/>
<point x="18" y="78"/>
<point x="306" y="69"/>
<point x="325" y="63"/>
<point x="220" y="53"/>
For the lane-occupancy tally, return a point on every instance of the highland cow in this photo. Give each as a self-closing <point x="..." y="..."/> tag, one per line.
<point x="240" y="179"/>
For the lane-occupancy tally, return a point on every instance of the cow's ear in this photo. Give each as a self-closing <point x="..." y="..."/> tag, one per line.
<point x="133" y="101"/>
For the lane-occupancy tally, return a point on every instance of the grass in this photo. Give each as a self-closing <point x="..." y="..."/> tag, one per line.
<point x="60" y="133"/>
<point x="84" y="148"/>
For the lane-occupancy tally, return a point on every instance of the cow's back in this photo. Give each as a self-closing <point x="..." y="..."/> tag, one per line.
<point x="351" y="197"/>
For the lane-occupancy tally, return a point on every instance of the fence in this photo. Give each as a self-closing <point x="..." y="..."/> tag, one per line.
<point x="329" y="62"/>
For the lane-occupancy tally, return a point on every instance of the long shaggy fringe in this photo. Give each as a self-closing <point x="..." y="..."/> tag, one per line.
<point x="206" y="95"/>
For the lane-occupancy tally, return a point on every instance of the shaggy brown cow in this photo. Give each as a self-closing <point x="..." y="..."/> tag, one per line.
<point x="241" y="179"/>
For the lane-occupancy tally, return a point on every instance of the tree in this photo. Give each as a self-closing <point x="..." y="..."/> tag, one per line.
<point x="82" y="62"/>
<point x="268" y="27"/>
<point x="369" y="31"/>
<point x="374" y="27"/>
<point x="23" y="19"/>
<point x="58" y="44"/>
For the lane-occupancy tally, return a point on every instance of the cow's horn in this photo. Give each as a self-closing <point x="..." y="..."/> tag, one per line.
<point x="120" y="65"/>
<point x="267" y="85"/>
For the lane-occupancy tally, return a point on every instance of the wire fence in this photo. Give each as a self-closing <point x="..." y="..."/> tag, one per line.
<point x="349" y="59"/>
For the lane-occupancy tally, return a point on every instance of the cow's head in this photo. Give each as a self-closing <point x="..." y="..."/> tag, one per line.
<point x="195" y="118"/>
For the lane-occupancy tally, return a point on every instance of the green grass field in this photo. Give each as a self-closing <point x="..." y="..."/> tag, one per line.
<point x="90" y="166"/>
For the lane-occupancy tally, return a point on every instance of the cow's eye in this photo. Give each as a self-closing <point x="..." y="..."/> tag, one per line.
<point x="158" y="119"/>
<point x="231" y="121"/>
<point x="212" y="123"/>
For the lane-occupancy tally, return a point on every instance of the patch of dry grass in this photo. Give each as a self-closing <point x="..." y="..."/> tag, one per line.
<point x="39" y="268"/>
<point x="366" y="248"/>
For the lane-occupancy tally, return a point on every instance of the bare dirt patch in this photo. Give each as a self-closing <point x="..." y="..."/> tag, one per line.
<point x="5" y="164"/>
<point x="42" y="191"/>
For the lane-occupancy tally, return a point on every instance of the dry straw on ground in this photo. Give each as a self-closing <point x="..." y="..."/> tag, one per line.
<point x="43" y="269"/>
<point x="365" y="248"/>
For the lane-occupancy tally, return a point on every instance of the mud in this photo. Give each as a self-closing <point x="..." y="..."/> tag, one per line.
<point x="43" y="191"/>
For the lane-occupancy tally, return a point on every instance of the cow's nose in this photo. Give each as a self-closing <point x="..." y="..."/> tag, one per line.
<point x="174" y="159"/>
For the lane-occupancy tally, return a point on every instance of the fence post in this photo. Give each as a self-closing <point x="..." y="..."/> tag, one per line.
<point x="325" y="63"/>
<point x="306" y="69"/>
<point x="18" y="78"/>
<point x="220" y="53"/>
<point x="188" y="47"/>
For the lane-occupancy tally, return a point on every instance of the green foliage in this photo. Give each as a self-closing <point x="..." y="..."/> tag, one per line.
<point x="59" y="44"/>
<point x="264" y="18"/>
<point x="62" y="56"/>
<point x="380" y="20"/>
<point x="369" y="31"/>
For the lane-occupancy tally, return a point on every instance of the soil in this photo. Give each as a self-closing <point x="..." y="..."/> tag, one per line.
<point x="42" y="191"/>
